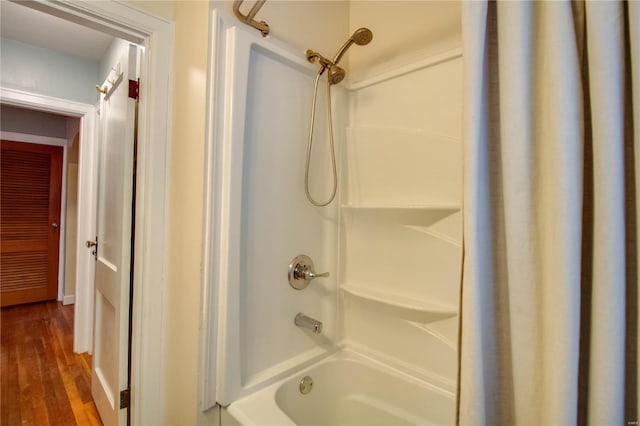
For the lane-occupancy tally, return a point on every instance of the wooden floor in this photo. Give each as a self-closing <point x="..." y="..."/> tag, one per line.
<point x="43" y="381"/>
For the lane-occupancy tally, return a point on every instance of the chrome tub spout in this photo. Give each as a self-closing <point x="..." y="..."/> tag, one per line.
<point x="309" y="323"/>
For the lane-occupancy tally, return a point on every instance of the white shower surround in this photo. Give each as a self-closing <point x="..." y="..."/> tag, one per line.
<point x="391" y="240"/>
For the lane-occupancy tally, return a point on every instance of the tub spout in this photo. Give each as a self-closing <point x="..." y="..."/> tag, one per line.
<point x="309" y="323"/>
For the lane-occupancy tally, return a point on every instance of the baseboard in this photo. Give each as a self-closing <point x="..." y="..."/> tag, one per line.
<point x="69" y="300"/>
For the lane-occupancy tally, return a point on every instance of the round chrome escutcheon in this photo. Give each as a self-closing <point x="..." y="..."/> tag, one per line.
<point x="306" y="385"/>
<point x="296" y="273"/>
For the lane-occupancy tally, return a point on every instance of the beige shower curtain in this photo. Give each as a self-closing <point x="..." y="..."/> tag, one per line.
<point x="549" y="326"/>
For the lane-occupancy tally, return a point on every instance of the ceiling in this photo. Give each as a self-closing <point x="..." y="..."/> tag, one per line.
<point x="33" y="27"/>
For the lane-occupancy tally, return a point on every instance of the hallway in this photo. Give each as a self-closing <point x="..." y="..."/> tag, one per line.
<point x="43" y="381"/>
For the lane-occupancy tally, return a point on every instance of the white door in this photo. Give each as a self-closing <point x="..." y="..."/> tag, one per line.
<point x="115" y="230"/>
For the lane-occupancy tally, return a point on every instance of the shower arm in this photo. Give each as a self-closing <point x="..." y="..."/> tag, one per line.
<point x="324" y="62"/>
<point x="261" y="26"/>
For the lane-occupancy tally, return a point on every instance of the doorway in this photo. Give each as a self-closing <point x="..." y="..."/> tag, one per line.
<point x="156" y="36"/>
<point x="39" y="205"/>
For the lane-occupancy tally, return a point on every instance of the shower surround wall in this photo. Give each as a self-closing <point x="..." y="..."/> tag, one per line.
<point x="401" y="218"/>
<point x="391" y="240"/>
<point x="262" y="219"/>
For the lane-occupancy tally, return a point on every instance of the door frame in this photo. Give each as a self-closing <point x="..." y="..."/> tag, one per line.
<point x="156" y="36"/>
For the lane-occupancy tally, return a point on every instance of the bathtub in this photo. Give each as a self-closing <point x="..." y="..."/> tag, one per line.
<point x="348" y="389"/>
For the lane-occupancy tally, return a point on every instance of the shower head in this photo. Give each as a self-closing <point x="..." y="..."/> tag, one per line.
<point x="361" y="36"/>
<point x="336" y="74"/>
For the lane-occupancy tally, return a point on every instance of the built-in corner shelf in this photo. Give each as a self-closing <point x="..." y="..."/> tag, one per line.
<point x="416" y="215"/>
<point x="416" y="310"/>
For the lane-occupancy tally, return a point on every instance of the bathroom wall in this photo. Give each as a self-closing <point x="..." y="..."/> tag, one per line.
<point x="20" y="120"/>
<point x="317" y="24"/>
<point x="185" y="176"/>
<point x="403" y="29"/>
<point x="43" y="71"/>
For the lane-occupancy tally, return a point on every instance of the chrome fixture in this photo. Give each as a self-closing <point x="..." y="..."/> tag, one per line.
<point x="301" y="272"/>
<point x="306" y="384"/>
<point x="261" y="26"/>
<point x="309" y="323"/>
<point x="335" y="75"/>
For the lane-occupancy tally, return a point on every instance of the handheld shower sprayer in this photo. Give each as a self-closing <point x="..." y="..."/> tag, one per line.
<point x="336" y="74"/>
<point x="361" y="37"/>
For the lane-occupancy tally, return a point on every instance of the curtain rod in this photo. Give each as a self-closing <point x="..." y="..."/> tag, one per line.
<point x="261" y="26"/>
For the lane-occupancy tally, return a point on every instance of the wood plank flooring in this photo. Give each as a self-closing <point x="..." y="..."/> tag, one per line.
<point x="42" y="381"/>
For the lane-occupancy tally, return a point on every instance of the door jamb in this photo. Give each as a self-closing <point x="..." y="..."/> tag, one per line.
<point x="156" y="35"/>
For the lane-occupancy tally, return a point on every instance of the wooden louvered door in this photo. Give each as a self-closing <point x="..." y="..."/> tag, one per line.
<point x="30" y="192"/>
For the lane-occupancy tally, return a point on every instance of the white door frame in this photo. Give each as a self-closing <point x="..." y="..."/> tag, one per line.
<point x="154" y="128"/>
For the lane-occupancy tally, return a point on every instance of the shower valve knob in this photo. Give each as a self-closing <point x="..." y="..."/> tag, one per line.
<point x="301" y="272"/>
<point x="309" y="275"/>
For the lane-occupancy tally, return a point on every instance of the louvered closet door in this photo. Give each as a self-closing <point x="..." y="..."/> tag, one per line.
<point x="30" y="187"/>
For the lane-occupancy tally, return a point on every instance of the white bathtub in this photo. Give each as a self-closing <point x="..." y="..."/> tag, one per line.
<point x="348" y="389"/>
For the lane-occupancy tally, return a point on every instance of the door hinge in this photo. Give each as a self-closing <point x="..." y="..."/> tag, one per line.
<point x="134" y="88"/>
<point x="125" y="398"/>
